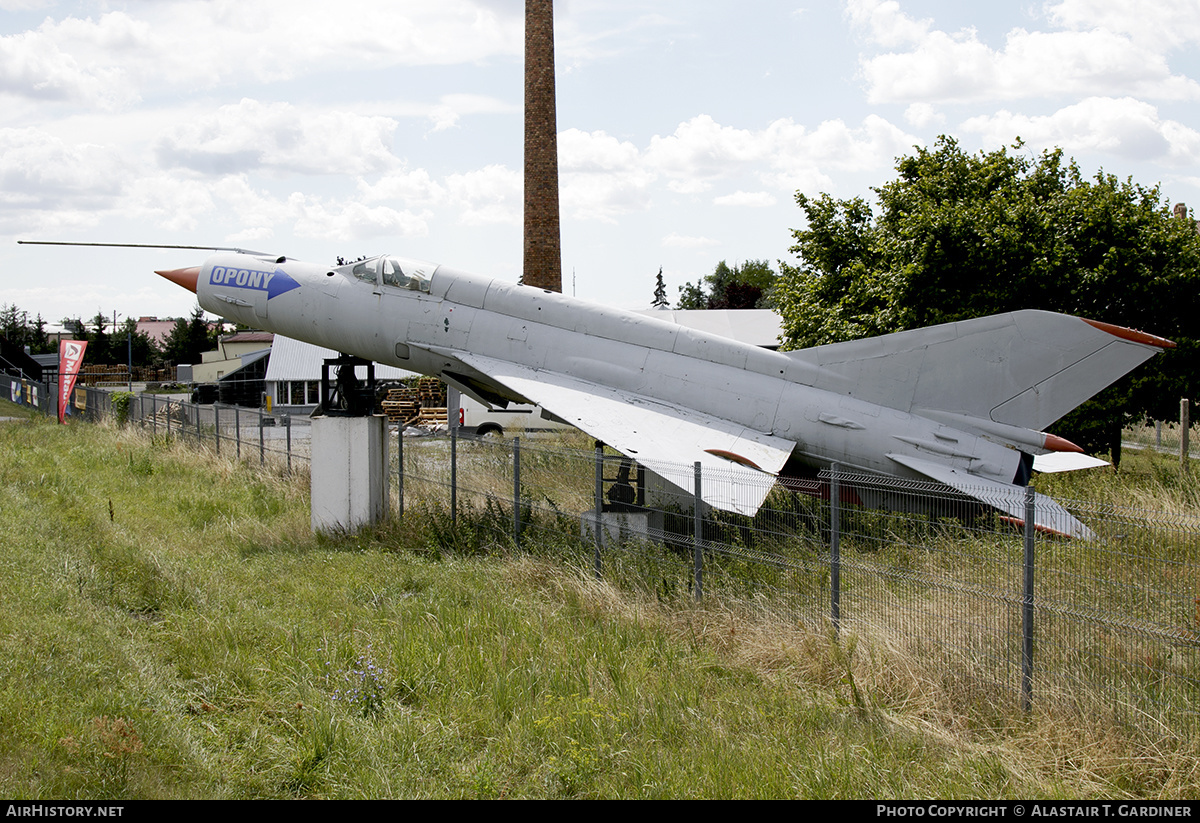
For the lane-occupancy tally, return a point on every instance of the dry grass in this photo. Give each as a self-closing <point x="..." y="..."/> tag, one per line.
<point x="1084" y="752"/>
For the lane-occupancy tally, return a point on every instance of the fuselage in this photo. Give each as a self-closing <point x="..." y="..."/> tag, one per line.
<point x="423" y="318"/>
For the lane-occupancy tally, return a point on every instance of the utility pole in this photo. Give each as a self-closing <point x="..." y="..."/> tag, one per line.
<point x="542" y="263"/>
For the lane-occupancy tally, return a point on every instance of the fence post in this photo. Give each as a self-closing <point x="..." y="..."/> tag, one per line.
<point x="1027" y="602"/>
<point x="597" y="524"/>
<point x="517" y="491"/>
<point x="217" y="425"/>
<point x="1185" y="433"/>
<point x="400" y="464"/>
<point x="697" y="536"/>
<point x="454" y="475"/>
<point x="835" y="548"/>
<point x="262" y="451"/>
<point x="237" y="429"/>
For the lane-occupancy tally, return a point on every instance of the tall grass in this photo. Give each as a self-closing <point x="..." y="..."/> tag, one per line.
<point x="170" y="628"/>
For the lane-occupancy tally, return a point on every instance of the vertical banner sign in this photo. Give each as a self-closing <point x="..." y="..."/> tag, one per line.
<point x="70" y="355"/>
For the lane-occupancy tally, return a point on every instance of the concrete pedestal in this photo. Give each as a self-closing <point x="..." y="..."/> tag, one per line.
<point x="619" y="527"/>
<point x="349" y="472"/>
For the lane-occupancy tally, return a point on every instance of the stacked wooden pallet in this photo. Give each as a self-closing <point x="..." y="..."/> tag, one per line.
<point x="431" y="392"/>
<point x="172" y="412"/>
<point x="401" y="406"/>
<point x="430" y="416"/>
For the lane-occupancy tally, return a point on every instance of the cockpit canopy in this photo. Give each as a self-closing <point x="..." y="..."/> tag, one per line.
<point x="398" y="272"/>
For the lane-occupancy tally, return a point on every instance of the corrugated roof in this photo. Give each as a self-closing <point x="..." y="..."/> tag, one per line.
<point x="296" y="360"/>
<point x="248" y="337"/>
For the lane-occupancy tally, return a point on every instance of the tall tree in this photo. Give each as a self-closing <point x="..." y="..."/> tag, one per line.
<point x="961" y="236"/>
<point x="660" y="300"/>
<point x="99" y="350"/>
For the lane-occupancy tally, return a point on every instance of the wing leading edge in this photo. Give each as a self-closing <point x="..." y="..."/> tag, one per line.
<point x="739" y="465"/>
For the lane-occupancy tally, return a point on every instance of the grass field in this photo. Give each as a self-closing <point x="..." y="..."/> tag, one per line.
<point x="171" y="629"/>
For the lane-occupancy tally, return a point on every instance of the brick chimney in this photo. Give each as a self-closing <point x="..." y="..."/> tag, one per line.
<point x="542" y="265"/>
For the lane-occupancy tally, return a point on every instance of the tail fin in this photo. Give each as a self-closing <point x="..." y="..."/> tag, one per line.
<point x="1025" y="369"/>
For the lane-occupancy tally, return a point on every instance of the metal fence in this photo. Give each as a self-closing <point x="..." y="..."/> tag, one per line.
<point x="244" y="433"/>
<point x="1003" y="614"/>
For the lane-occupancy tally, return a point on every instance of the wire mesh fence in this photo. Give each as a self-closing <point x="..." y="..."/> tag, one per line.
<point x="1007" y="614"/>
<point x="1004" y="613"/>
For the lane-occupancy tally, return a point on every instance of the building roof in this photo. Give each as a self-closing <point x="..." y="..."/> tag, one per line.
<point x="249" y="337"/>
<point x="157" y="330"/>
<point x="296" y="360"/>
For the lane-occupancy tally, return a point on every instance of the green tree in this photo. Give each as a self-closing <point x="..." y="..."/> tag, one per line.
<point x="746" y="285"/>
<point x="189" y="339"/>
<point x="660" y="300"/>
<point x="99" y="349"/>
<point x="39" y="340"/>
<point x="961" y="236"/>
<point x="129" y="341"/>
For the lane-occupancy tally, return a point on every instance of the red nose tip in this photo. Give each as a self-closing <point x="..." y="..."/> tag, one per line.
<point x="183" y="277"/>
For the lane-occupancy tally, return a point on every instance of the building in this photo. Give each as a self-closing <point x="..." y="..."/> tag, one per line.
<point x="293" y="375"/>
<point x="229" y="354"/>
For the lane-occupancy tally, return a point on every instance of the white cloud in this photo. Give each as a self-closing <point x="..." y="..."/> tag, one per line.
<point x="1123" y="127"/>
<point x="407" y="185"/>
<point x="488" y="195"/>
<point x="802" y="157"/>
<point x="601" y="177"/>
<point x="703" y="148"/>
<point x="279" y="137"/>
<point x="680" y="241"/>
<point x="117" y="57"/>
<point x="751" y="199"/>
<point x="38" y="170"/>
<point x="1163" y="24"/>
<point x="169" y="202"/>
<point x="353" y="221"/>
<point x="451" y="108"/>
<point x="923" y="115"/>
<point x="55" y="61"/>
<point x="941" y="66"/>
<point x="886" y="24"/>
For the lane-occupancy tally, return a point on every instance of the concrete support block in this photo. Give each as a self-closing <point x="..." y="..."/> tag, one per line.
<point x="349" y="472"/>
<point x="620" y="527"/>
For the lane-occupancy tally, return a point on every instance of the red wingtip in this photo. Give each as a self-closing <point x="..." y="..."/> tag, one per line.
<point x="1131" y="334"/>
<point x="183" y="277"/>
<point x="1060" y="444"/>
<point x="734" y="457"/>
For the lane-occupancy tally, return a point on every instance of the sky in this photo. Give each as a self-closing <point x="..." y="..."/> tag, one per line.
<point x="686" y="127"/>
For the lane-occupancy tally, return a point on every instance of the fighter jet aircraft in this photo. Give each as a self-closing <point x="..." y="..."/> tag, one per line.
<point x="962" y="404"/>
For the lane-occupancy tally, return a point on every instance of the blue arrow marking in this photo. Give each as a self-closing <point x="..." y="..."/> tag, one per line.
<point x="280" y="283"/>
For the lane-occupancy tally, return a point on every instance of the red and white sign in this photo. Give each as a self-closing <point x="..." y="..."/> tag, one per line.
<point x="70" y="356"/>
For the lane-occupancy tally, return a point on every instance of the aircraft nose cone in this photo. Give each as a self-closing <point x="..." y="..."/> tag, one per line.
<point x="183" y="277"/>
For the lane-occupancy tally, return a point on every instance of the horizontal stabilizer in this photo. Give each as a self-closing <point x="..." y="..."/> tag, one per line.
<point x="738" y="464"/>
<point x="1065" y="462"/>
<point x="1025" y="369"/>
<point x="1049" y="516"/>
